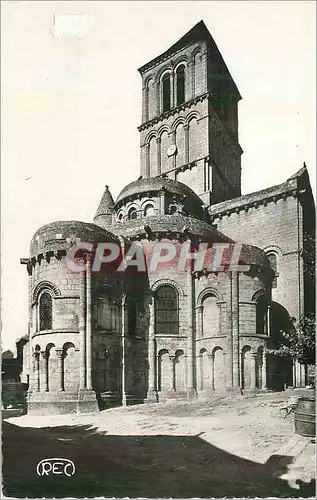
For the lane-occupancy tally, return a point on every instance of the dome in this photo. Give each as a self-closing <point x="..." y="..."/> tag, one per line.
<point x="148" y="184"/>
<point x="60" y="235"/>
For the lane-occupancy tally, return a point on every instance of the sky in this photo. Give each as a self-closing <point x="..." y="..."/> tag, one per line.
<point x="71" y="106"/>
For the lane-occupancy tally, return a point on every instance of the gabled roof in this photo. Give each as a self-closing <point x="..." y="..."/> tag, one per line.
<point x="198" y="33"/>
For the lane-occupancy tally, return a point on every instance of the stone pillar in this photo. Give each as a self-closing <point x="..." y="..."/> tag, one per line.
<point x="44" y="371"/>
<point x="190" y="340"/>
<point x="123" y="367"/>
<point x="186" y="130"/>
<point x="268" y="320"/>
<point x="173" y="141"/>
<point x="36" y="385"/>
<point x="162" y="202"/>
<point x="211" y="358"/>
<point x="172" y="374"/>
<point x="235" y="330"/>
<point x="82" y="331"/>
<point x="151" y="395"/>
<point x="60" y="373"/>
<point x="88" y="324"/>
<point x="229" y="357"/>
<point x="199" y="321"/>
<point x="147" y="160"/>
<point x="253" y="371"/>
<point x="144" y="104"/>
<point x="264" y="369"/>
<point x="158" y="153"/>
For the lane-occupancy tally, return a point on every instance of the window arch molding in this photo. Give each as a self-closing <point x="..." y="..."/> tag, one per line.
<point x="45" y="285"/>
<point x="207" y="292"/>
<point x="151" y="135"/>
<point x="162" y="71"/>
<point x="192" y="116"/>
<point x="167" y="281"/>
<point x="179" y="121"/>
<point x="259" y="293"/>
<point x="162" y="129"/>
<point x="195" y="51"/>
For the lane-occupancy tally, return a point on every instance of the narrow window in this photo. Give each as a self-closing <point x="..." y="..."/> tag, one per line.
<point x="45" y="311"/>
<point x="166" y="87"/>
<point x="261" y="315"/>
<point x="180" y="85"/>
<point x="132" y="214"/>
<point x="166" y="311"/>
<point x="273" y="263"/>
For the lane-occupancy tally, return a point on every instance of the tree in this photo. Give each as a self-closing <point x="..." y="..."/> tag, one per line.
<point x="299" y="341"/>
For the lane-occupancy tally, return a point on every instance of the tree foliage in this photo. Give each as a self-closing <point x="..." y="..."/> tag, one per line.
<point x="300" y="341"/>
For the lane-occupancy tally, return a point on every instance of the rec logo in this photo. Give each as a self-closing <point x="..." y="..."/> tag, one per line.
<point x="55" y="466"/>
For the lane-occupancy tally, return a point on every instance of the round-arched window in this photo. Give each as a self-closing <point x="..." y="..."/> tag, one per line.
<point x="45" y="311"/>
<point x="132" y="213"/>
<point x="149" y="210"/>
<point x="166" y="310"/>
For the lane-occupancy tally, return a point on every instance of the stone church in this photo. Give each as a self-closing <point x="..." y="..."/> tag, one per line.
<point x="98" y="338"/>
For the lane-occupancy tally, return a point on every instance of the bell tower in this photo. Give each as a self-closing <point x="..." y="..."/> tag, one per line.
<point x="189" y="129"/>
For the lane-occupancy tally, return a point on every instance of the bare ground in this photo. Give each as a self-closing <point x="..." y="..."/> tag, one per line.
<point x="224" y="446"/>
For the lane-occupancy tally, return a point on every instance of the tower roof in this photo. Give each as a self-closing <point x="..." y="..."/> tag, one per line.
<point x="198" y="33"/>
<point x="106" y="205"/>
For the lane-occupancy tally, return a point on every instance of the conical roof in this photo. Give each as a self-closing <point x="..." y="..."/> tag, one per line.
<point x="106" y="205"/>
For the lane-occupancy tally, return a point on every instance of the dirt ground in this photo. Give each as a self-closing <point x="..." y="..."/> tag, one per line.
<point x="224" y="446"/>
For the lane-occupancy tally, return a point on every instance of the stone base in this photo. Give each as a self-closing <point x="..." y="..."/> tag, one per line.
<point x="62" y="403"/>
<point x="191" y="393"/>
<point x="151" y="397"/>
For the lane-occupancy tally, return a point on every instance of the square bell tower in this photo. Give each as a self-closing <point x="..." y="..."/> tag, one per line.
<point x="189" y="129"/>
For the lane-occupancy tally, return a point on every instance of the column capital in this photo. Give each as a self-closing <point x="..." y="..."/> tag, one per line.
<point x="59" y="353"/>
<point x="172" y="358"/>
<point x="186" y="126"/>
<point x="211" y="357"/>
<point x="36" y="354"/>
<point x="199" y="307"/>
<point x="45" y="354"/>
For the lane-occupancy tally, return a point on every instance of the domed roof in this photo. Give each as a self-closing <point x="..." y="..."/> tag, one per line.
<point x="60" y="235"/>
<point x="148" y="184"/>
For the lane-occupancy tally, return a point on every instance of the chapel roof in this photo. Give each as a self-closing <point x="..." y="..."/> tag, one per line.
<point x="60" y="235"/>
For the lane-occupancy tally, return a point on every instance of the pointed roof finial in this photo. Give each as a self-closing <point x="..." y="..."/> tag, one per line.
<point x="106" y="205"/>
<point x="304" y="165"/>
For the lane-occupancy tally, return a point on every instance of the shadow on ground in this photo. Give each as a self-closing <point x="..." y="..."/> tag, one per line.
<point x="135" y="466"/>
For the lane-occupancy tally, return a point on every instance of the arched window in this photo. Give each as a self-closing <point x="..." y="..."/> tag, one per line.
<point x="172" y="209"/>
<point x="166" y="311"/>
<point x="132" y="213"/>
<point x="180" y="85"/>
<point x="120" y="216"/>
<point x="166" y="92"/>
<point x="149" y="210"/>
<point x="45" y="311"/>
<point x="261" y="315"/>
<point x="273" y="263"/>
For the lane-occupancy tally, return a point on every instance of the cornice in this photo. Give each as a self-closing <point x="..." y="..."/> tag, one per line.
<point x="247" y="205"/>
<point x="173" y="111"/>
